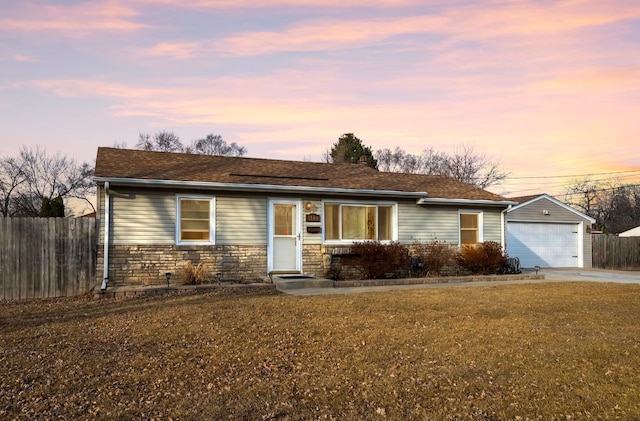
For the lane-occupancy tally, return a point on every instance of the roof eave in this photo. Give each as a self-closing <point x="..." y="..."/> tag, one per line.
<point x="445" y="201"/>
<point x="244" y="187"/>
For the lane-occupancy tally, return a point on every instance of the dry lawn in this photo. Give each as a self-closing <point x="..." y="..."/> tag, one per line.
<point x="539" y="351"/>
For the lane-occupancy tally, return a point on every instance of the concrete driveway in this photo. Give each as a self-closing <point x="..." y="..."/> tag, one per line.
<point x="593" y="275"/>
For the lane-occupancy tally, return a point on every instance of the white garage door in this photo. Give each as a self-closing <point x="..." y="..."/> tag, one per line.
<point x="543" y="244"/>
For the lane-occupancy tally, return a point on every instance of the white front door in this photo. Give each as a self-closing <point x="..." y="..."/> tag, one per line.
<point x="285" y="236"/>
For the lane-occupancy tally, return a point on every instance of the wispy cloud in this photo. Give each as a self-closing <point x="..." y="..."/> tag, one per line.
<point x="510" y="23"/>
<point x="328" y="35"/>
<point x="607" y="80"/>
<point x="79" y="88"/>
<point x="264" y="4"/>
<point x="528" y="18"/>
<point x="77" y="19"/>
<point x="21" y="58"/>
<point x="178" y="50"/>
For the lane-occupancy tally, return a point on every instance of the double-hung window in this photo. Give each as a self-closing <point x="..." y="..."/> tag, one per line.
<point x="358" y="221"/>
<point x="195" y="220"/>
<point x="470" y="227"/>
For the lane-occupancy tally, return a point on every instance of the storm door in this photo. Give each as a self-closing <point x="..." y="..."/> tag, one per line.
<point x="285" y="238"/>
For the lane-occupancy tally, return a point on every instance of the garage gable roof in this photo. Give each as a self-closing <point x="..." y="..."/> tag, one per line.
<point x="188" y="170"/>
<point x="633" y="232"/>
<point x="528" y="200"/>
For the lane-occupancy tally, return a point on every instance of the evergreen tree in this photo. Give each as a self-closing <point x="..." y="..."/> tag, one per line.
<point x="349" y="148"/>
<point x="52" y="208"/>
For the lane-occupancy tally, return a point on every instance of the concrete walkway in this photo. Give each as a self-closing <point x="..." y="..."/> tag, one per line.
<point x="359" y="290"/>
<point x="550" y="275"/>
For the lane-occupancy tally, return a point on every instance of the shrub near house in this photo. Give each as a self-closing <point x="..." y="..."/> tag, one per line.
<point x="375" y="260"/>
<point x="484" y="259"/>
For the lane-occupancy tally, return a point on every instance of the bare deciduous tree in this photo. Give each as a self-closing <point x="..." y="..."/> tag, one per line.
<point x="614" y="206"/>
<point x="471" y="167"/>
<point x="11" y="178"/>
<point x="36" y="177"/>
<point x="165" y="141"/>
<point x="430" y="162"/>
<point x="162" y="141"/>
<point x="463" y="165"/>
<point x="215" y="145"/>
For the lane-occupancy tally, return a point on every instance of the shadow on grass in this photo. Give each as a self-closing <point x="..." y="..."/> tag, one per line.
<point x="18" y="315"/>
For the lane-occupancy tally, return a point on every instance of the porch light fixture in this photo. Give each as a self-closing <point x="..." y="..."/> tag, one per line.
<point x="308" y="206"/>
<point x="168" y="275"/>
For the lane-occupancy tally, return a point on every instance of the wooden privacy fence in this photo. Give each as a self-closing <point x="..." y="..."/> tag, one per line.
<point x="47" y="257"/>
<point x="611" y="252"/>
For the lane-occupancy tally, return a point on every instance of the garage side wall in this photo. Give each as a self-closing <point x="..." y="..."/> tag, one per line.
<point x="544" y="210"/>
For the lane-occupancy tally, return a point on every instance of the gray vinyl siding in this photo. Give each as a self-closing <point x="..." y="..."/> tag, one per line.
<point x="429" y="223"/>
<point x="143" y="218"/>
<point x="533" y="213"/>
<point x="424" y="224"/>
<point x="492" y="225"/>
<point x="100" y="212"/>
<point x="241" y="220"/>
<point x="148" y="217"/>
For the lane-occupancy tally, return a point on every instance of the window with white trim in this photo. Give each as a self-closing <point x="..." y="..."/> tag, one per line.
<point x="195" y="221"/>
<point x="358" y="221"/>
<point x="470" y="227"/>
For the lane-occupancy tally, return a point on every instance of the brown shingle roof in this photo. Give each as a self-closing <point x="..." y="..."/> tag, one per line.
<point x="115" y="163"/>
<point x="522" y="199"/>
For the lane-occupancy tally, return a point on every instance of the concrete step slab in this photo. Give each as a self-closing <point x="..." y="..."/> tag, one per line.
<point x="284" y="283"/>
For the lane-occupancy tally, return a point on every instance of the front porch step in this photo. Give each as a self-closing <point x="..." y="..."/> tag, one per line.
<point x="301" y="283"/>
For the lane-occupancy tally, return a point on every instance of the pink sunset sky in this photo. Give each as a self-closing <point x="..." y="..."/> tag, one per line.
<point x="549" y="89"/>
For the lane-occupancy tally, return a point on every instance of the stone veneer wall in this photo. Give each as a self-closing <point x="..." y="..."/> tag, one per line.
<point x="312" y="260"/>
<point x="338" y="263"/>
<point x="147" y="264"/>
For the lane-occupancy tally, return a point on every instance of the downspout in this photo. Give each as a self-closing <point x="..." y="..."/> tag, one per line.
<point x="502" y="228"/>
<point x="107" y="206"/>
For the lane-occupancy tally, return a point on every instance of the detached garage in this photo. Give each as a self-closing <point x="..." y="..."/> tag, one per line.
<point x="542" y="231"/>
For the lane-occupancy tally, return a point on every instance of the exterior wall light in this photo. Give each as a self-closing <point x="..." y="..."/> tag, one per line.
<point x="168" y="275"/>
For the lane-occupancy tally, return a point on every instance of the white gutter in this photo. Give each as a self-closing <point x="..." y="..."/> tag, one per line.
<point x="257" y="187"/>
<point x="503" y="222"/>
<point x="105" y="272"/>
<point x="443" y="201"/>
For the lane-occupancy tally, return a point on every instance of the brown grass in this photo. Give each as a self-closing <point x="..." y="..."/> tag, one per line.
<point x="538" y="351"/>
